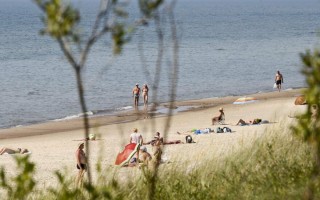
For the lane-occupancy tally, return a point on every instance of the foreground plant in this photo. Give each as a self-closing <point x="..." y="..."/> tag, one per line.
<point x="21" y="185"/>
<point x="309" y="123"/>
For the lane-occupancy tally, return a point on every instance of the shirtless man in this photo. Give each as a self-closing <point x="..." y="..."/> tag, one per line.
<point x="81" y="163"/>
<point x="145" y="91"/>
<point x="278" y="79"/>
<point x="136" y="94"/>
<point x="145" y="157"/>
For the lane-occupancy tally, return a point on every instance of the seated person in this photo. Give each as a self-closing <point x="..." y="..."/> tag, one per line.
<point x="144" y="156"/>
<point x="13" y="151"/>
<point x="220" y="118"/>
<point x="241" y="122"/>
<point x="157" y="139"/>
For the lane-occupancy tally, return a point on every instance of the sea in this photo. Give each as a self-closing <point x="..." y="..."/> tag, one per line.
<point x="226" y="48"/>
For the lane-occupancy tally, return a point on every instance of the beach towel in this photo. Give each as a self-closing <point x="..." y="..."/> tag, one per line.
<point x="125" y="156"/>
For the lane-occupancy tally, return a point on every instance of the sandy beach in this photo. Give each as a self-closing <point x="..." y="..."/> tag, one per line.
<point x="53" y="144"/>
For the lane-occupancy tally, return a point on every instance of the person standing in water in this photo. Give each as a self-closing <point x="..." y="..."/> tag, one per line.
<point x="136" y="94"/>
<point x="279" y="80"/>
<point x="145" y="91"/>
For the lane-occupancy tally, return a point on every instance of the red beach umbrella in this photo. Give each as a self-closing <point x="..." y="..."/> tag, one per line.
<point x="244" y="100"/>
<point x="128" y="152"/>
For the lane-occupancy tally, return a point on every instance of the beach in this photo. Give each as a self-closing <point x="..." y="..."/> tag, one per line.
<point x="53" y="144"/>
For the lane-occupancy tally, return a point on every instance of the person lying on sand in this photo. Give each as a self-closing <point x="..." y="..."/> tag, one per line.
<point x="13" y="151"/>
<point x="241" y="122"/>
<point x="196" y="131"/>
<point x="158" y="140"/>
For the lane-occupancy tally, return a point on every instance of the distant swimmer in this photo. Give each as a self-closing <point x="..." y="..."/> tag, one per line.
<point x="136" y="94"/>
<point x="145" y="91"/>
<point x="279" y="80"/>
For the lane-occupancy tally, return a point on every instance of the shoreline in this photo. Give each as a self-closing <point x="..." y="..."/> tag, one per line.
<point x="130" y="116"/>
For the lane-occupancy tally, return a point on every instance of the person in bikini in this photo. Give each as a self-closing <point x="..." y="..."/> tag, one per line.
<point x="136" y="94"/>
<point x="145" y="91"/>
<point x="279" y="80"/>
<point x="13" y="151"/>
<point x="81" y="163"/>
<point x="219" y="118"/>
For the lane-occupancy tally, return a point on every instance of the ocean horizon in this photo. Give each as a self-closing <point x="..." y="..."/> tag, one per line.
<point x="226" y="48"/>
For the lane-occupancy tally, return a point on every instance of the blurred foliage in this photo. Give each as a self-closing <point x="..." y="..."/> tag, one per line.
<point x="308" y="126"/>
<point x="21" y="185"/>
<point x="148" y="7"/>
<point x="60" y="19"/>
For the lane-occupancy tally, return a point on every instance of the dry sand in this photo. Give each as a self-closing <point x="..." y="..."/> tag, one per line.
<point x="53" y="144"/>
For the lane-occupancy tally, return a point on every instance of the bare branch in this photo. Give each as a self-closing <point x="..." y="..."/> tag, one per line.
<point x="67" y="52"/>
<point x="95" y="35"/>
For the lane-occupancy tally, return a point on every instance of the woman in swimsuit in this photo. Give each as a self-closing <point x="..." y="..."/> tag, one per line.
<point x="145" y="91"/>
<point x="12" y="151"/>
<point x="219" y="118"/>
<point x="81" y="163"/>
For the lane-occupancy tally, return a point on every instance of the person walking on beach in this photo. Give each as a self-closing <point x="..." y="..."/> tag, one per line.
<point x="145" y="91"/>
<point x="81" y="163"/>
<point x="136" y="94"/>
<point x="279" y="80"/>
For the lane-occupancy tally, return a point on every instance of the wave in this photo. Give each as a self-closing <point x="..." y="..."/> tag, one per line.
<point x="124" y="108"/>
<point x="89" y="113"/>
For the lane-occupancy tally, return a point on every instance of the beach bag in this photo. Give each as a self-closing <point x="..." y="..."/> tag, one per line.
<point x="257" y="121"/>
<point x="219" y="130"/>
<point x="226" y="130"/>
<point x="189" y="139"/>
<point x="275" y="86"/>
<point x="207" y="130"/>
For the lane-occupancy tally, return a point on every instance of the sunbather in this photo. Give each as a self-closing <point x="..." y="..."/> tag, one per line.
<point x="158" y="140"/>
<point x="13" y="151"/>
<point x="219" y="119"/>
<point x="241" y="122"/>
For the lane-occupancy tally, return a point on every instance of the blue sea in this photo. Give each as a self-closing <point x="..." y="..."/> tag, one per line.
<point x="226" y="47"/>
